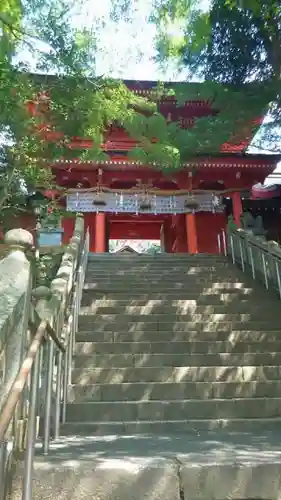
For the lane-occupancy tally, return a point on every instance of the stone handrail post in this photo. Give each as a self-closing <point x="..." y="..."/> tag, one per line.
<point x="63" y="283"/>
<point x="16" y="279"/>
<point x="37" y="338"/>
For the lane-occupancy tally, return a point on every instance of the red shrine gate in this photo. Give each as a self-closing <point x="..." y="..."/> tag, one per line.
<point x="190" y="220"/>
<point x="178" y="234"/>
<point x="123" y="199"/>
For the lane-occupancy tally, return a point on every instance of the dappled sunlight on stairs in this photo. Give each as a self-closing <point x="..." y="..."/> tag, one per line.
<point x="176" y="390"/>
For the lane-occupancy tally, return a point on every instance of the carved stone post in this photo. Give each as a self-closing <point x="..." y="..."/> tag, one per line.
<point x="43" y="296"/>
<point x="15" y="295"/>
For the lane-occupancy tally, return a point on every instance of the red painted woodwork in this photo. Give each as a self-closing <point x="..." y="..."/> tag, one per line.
<point x="181" y="233"/>
<point x="237" y="208"/>
<point x="176" y="234"/>
<point x="100" y="233"/>
<point x="117" y="140"/>
<point x="68" y="228"/>
<point x="136" y="219"/>
<point x="134" y="231"/>
<point x="237" y="170"/>
<point x="181" y="238"/>
<point x="191" y="233"/>
<point x="168" y="235"/>
<point x="208" y="226"/>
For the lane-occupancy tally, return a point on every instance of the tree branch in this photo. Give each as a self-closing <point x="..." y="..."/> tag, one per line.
<point x="5" y="192"/>
<point x="16" y="32"/>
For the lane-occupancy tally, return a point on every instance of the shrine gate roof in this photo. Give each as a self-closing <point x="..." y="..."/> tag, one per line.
<point x="189" y="103"/>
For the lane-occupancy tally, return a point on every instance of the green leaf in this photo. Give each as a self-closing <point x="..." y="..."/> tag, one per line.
<point x="157" y="127"/>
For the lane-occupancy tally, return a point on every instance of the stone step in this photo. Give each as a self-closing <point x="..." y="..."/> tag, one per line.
<point x="171" y="374"/>
<point x="189" y="347"/>
<point x="209" y="264"/>
<point x="76" y="472"/>
<point x="192" y="293"/>
<point x="173" y="391"/>
<point x="149" y="277"/>
<point x="163" y="264"/>
<point x="160" y="257"/>
<point x="90" y="323"/>
<point x="176" y="360"/>
<point x="215" y="305"/>
<point x="176" y="409"/>
<point x="168" y="274"/>
<point x="175" y="290"/>
<point x="166" y="269"/>
<point x="188" y="464"/>
<point x="161" y="284"/>
<point x="183" y="296"/>
<point x="125" y="318"/>
<point x="179" y="427"/>
<point x="238" y="310"/>
<point x="169" y="336"/>
<point x="158" y="265"/>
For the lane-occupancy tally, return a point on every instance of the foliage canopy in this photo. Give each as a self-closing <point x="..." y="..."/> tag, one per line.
<point x="233" y="42"/>
<point x="42" y="33"/>
<point x="83" y="105"/>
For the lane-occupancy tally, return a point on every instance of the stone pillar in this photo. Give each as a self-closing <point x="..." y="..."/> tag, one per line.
<point x="237" y="208"/>
<point x="191" y="233"/>
<point x="16" y="281"/>
<point x="100" y="233"/>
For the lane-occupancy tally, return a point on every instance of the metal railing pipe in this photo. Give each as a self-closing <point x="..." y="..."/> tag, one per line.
<point x="19" y="383"/>
<point x="26" y="388"/>
<point x="48" y="400"/>
<point x="31" y="431"/>
<point x="3" y="460"/>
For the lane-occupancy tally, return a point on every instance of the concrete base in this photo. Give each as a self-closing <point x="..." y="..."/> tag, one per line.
<point x="105" y="478"/>
<point x="199" y="465"/>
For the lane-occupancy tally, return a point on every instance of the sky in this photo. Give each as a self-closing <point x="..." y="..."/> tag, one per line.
<point x="125" y="50"/>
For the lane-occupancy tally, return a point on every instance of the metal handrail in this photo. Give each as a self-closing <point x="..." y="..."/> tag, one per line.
<point x="262" y="259"/>
<point x="20" y="381"/>
<point x="48" y="360"/>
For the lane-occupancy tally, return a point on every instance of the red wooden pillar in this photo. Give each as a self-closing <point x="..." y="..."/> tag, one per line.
<point x="100" y="233"/>
<point x="168" y="236"/>
<point x="191" y="233"/>
<point x="181" y="234"/>
<point x="237" y="208"/>
<point x="68" y="228"/>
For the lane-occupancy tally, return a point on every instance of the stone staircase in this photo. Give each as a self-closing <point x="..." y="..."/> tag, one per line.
<point x="173" y="343"/>
<point x="176" y="377"/>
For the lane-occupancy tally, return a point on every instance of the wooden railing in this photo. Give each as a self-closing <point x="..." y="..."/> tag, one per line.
<point x="42" y="324"/>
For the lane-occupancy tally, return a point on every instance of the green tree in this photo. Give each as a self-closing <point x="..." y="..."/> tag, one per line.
<point x="235" y="41"/>
<point x="226" y="46"/>
<point x="78" y="103"/>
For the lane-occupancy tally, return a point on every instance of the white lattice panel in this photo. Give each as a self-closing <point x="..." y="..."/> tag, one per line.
<point x="130" y="203"/>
